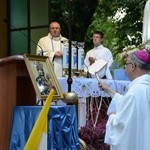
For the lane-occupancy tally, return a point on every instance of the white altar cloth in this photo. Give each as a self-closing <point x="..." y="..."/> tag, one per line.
<point x="86" y="87"/>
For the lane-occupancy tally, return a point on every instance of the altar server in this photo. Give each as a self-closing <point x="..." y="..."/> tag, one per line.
<point x="99" y="52"/>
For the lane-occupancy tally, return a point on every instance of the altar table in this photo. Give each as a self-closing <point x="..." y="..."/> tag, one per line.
<point x="88" y="87"/>
<point x="62" y="127"/>
<point x="85" y="87"/>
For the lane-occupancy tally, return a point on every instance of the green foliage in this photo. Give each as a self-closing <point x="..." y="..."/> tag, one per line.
<point x="116" y="31"/>
<point x="86" y="16"/>
<point x="77" y="13"/>
<point x="102" y="21"/>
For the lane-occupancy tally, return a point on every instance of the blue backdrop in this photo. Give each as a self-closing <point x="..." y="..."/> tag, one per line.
<point x="62" y="127"/>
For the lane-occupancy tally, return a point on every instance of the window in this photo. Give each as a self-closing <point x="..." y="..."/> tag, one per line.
<point x="28" y="22"/>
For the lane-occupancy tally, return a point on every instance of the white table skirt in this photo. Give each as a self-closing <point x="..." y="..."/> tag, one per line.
<point x="86" y="87"/>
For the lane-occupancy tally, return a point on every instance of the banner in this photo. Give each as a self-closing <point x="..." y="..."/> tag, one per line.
<point x="38" y="136"/>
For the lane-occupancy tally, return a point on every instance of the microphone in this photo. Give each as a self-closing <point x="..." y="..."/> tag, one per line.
<point x="10" y="25"/>
<point x="64" y="41"/>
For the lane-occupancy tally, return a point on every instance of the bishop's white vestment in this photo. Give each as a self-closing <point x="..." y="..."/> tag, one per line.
<point x="129" y="128"/>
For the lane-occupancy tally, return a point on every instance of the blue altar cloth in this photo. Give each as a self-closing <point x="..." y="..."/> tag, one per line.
<point x="62" y="127"/>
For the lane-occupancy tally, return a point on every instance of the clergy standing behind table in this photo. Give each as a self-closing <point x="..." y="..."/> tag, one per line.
<point x="52" y="46"/>
<point x="129" y="127"/>
<point x="98" y="52"/>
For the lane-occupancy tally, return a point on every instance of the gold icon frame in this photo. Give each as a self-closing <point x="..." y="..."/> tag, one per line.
<point x="43" y="77"/>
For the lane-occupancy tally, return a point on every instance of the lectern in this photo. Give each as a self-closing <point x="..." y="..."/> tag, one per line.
<point x="16" y="89"/>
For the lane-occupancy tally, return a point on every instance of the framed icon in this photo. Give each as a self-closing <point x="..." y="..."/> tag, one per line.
<point x="43" y="77"/>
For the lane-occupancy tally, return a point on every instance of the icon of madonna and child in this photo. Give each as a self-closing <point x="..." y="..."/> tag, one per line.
<point x="43" y="80"/>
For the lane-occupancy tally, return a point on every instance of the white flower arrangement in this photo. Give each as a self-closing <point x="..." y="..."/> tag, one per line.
<point x="130" y="49"/>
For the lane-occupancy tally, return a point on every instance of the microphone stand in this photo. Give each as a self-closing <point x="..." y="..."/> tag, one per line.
<point x="69" y="80"/>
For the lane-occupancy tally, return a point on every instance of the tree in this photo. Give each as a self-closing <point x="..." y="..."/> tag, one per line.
<point x="115" y="29"/>
<point x="104" y="15"/>
<point x="82" y="11"/>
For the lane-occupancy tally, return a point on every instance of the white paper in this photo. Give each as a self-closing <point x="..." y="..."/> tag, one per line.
<point x="98" y="67"/>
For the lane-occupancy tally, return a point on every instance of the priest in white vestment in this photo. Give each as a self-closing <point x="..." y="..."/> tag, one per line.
<point x="129" y="127"/>
<point x="52" y="46"/>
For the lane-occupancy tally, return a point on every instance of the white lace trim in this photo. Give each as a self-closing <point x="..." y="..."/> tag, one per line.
<point x="85" y="87"/>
